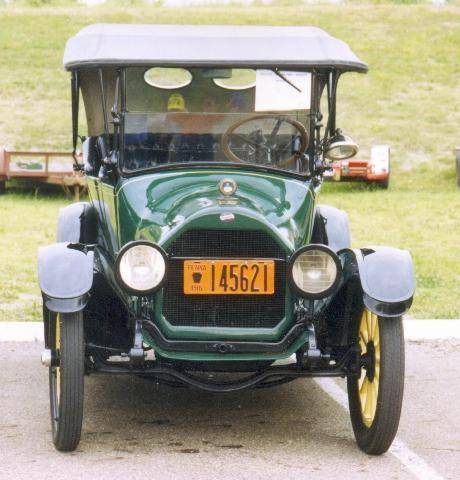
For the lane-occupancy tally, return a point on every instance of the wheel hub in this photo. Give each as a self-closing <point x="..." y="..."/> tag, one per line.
<point x="50" y="357"/>
<point x="368" y="360"/>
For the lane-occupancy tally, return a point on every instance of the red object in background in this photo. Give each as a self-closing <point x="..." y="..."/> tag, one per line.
<point x="376" y="170"/>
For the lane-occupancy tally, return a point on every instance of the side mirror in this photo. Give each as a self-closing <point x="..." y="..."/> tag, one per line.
<point x="340" y="147"/>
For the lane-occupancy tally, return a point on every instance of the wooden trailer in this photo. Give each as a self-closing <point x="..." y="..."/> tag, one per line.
<point x="45" y="167"/>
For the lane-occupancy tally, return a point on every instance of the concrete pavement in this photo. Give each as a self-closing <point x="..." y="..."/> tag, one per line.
<point x="133" y="427"/>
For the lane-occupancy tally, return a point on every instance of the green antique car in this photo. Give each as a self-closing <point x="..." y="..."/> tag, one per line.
<point x="203" y="258"/>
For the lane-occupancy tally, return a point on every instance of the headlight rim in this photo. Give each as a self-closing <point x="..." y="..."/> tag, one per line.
<point x="340" y="139"/>
<point x="324" y="293"/>
<point x="122" y="251"/>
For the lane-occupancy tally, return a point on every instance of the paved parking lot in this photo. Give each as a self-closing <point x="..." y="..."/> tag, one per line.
<point x="133" y="427"/>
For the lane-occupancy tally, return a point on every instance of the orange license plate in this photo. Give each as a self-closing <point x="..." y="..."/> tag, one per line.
<point x="229" y="277"/>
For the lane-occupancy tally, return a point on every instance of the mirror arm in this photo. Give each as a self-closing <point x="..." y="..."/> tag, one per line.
<point x="113" y="160"/>
<point x="314" y="108"/>
<point x="315" y="162"/>
<point x="75" y="96"/>
<point x="331" y="103"/>
<point x="102" y="139"/>
<point x="115" y="111"/>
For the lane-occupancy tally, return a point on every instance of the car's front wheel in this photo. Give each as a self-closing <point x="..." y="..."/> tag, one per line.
<point x="375" y="398"/>
<point x="66" y="378"/>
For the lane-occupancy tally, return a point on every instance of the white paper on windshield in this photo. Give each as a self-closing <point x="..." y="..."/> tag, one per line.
<point x="275" y="94"/>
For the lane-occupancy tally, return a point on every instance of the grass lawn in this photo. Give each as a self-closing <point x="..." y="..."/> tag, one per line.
<point x="409" y="99"/>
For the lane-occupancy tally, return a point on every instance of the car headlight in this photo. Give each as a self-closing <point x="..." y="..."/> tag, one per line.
<point x="315" y="271"/>
<point x="340" y="147"/>
<point x="141" y="267"/>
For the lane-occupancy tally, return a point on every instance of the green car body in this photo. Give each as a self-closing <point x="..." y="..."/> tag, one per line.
<point x="147" y="208"/>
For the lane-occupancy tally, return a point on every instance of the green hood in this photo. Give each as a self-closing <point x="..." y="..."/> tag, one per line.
<point x="159" y="206"/>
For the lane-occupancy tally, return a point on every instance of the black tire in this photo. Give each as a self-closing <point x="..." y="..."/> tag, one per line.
<point x="375" y="433"/>
<point x="66" y="381"/>
<point x="384" y="183"/>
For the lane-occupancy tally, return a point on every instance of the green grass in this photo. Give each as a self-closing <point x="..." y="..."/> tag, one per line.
<point x="26" y="222"/>
<point x="409" y="99"/>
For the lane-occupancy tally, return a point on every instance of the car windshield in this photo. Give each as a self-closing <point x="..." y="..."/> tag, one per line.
<point x="241" y="116"/>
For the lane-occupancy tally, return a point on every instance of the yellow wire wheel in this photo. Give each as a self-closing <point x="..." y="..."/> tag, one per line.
<point x="368" y="384"/>
<point x="375" y="393"/>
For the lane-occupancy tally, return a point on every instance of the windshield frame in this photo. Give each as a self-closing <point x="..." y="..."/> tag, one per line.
<point x="320" y="78"/>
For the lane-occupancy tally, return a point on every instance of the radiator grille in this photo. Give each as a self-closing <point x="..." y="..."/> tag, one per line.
<point x="234" y="311"/>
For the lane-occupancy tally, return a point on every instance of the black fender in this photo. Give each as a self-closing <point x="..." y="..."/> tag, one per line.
<point x="77" y="224"/>
<point x="386" y="275"/>
<point x="331" y="228"/>
<point x="65" y="277"/>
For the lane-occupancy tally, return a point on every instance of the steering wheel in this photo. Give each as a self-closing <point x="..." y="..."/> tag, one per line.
<point x="259" y="142"/>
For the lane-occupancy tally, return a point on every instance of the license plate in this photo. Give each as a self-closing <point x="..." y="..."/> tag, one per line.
<point x="229" y="277"/>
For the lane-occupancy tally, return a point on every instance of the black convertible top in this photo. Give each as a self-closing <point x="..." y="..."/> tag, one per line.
<point x="208" y="45"/>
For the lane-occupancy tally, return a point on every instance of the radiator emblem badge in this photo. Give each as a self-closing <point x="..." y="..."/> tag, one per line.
<point x="227" y="187"/>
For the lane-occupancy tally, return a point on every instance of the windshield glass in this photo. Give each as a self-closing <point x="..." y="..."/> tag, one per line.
<point x="241" y="116"/>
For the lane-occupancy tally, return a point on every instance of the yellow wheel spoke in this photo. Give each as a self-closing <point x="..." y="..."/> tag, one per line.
<point x="376" y="334"/>
<point x="363" y="330"/>
<point x="368" y="390"/>
<point x="368" y="402"/>
<point x="362" y="378"/>
<point x="369" y="324"/>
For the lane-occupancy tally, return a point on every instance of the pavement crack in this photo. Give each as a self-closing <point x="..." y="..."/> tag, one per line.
<point x="443" y="449"/>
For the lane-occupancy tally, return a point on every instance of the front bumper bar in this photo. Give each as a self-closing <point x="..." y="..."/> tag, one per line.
<point x="223" y="347"/>
<point x="268" y="377"/>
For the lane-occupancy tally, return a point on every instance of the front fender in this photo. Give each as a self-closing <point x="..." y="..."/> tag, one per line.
<point x="387" y="278"/>
<point x="77" y="224"/>
<point x="65" y="276"/>
<point x="336" y="226"/>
